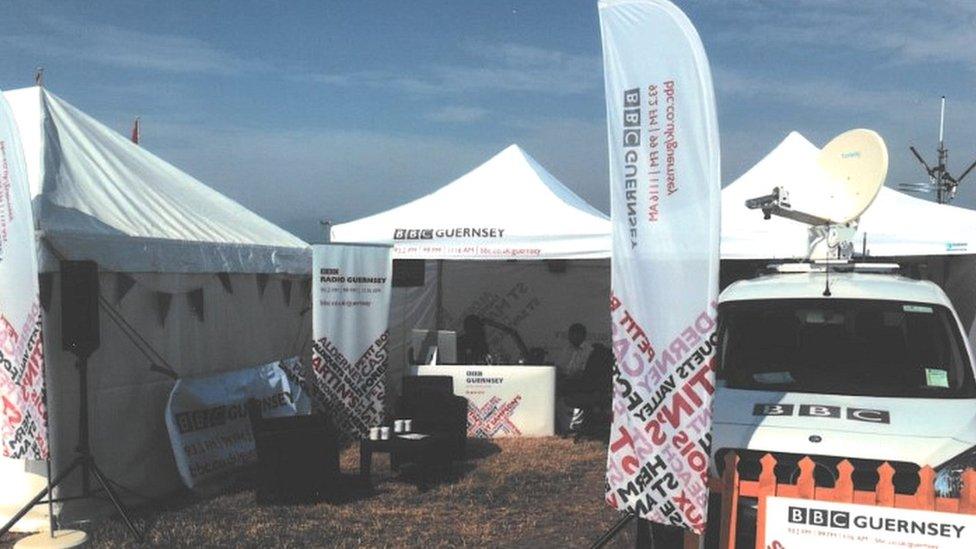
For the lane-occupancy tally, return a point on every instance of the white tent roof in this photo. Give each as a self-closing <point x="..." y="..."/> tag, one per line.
<point x="510" y="207"/>
<point x="99" y="196"/>
<point x="895" y="224"/>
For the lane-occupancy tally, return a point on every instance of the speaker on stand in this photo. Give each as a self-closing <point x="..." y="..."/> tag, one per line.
<point x="80" y="335"/>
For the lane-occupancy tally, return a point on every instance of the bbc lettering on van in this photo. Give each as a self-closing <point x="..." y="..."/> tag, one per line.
<point x="823" y="411"/>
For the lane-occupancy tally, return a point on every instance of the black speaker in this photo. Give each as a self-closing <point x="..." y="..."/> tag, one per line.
<point x="79" y="307"/>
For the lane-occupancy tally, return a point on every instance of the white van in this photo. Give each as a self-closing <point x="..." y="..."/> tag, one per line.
<point x="878" y="369"/>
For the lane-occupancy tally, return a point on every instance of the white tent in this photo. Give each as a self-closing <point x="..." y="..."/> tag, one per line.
<point x="937" y="241"/>
<point x="895" y="225"/>
<point x="197" y="283"/>
<point x="509" y="208"/>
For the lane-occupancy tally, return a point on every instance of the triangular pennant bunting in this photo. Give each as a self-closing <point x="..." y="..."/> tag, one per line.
<point x="123" y="283"/>
<point x="225" y="282"/>
<point x="163" y="300"/>
<point x="262" y="283"/>
<point x="195" y="298"/>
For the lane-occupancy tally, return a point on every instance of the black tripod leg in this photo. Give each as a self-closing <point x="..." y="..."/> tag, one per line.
<point x="37" y="499"/>
<point x="119" y="506"/>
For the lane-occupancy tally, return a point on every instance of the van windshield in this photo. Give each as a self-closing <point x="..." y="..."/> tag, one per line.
<point x="844" y="346"/>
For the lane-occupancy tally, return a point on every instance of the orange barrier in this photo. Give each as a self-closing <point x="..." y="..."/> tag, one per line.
<point x="732" y="488"/>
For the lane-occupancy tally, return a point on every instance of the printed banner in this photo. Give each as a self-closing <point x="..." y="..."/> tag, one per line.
<point x="350" y="325"/>
<point x="503" y="401"/>
<point x="664" y="188"/>
<point x="794" y="522"/>
<point x="207" y="419"/>
<point x="532" y="302"/>
<point x="23" y="413"/>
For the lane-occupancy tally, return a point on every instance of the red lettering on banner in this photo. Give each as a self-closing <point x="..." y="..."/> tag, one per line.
<point x="690" y="510"/>
<point x="624" y="440"/>
<point x="653" y="428"/>
<point x="8" y="337"/>
<point x="633" y="329"/>
<point x="11" y="412"/>
<point x="629" y="464"/>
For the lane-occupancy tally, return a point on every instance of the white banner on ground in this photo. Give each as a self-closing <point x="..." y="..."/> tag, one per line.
<point x="664" y="188"/>
<point x="207" y="419"/>
<point x="23" y="414"/>
<point x="794" y="522"/>
<point x="503" y="401"/>
<point x="350" y="326"/>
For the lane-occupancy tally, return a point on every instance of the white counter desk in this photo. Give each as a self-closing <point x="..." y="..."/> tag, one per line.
<point x="503" y="401"/>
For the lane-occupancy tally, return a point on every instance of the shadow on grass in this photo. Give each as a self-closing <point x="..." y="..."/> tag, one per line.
<point x="350" y="492"/>
<point x="476" y="451"/>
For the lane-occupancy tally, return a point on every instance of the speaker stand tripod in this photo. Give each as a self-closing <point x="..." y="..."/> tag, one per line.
<point x="85" y="461"/>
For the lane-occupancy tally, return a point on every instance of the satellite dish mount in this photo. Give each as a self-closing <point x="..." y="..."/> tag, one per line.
<point x="847" y="176"/>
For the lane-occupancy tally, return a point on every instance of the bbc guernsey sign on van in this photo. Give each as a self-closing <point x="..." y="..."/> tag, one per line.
<point x="798" y="523"/>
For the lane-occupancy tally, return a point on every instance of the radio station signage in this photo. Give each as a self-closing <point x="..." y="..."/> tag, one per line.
<point x="503" y="401"/>
<point x="208" y="423"/>
<point x="23" y="409"/>
<point x="664" y="207"/>
<point x="350" y="329"/>
<point x="799" y="523"/>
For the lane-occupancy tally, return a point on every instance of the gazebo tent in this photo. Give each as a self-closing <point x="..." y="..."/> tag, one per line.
<point x="938" y="241"/>
<point x="510" y="207"/>
<point x="895" y="225"/>
<point x="197" y="283"/>
<point x="476" y="233"/>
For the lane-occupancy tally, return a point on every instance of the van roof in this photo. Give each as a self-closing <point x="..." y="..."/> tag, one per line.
<point x="843" y="285"/>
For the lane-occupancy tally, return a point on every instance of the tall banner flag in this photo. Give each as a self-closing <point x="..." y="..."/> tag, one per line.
<point x="350" y="325"/>
<point x="23" y="414"/>
<point x="665" y="192"/>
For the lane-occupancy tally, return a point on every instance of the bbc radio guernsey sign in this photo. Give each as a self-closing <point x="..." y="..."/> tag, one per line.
<point x="23" y="414"/>
<point x="664" y="178"/>
<point x="207" y="417"/>
<point x="796" y="523"/>
<point x="351" y="294"/>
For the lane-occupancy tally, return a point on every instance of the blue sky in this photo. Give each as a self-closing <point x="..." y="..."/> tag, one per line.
<point x="336" y="110"/>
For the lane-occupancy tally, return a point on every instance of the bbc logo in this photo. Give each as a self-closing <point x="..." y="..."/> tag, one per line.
<point x="819" y="517"/>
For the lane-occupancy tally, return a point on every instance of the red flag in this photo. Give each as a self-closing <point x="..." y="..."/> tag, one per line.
<point x="135" y="131"/>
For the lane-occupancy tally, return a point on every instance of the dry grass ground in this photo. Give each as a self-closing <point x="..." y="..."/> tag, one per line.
<point x="512" y="493"/>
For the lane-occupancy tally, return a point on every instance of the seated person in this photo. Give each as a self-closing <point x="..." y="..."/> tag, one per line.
<point x="590" y="393"/>
<point x="572" y="362"/>
<point x="473" y="343"/>
<point x="572" y="378"/>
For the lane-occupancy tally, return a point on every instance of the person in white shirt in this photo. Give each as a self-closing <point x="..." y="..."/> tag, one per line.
<point x="570" y="368"/>
<point x="572" y="362"/>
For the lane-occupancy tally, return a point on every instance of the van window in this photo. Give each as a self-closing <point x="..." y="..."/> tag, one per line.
<point x="844" y="346"/>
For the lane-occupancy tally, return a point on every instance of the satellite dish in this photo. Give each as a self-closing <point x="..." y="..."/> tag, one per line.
<point x="856" y="164"/>
<point x="837" y="187"/>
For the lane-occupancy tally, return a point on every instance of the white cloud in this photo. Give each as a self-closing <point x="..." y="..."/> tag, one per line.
<point x="457" y="114"/>
<point x="493" y="68"/>
<point x="908" y="32"/>
<point x="124" y="48"/>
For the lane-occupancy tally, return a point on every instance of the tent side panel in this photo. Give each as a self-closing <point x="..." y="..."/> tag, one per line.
<point x="127" y="403"/>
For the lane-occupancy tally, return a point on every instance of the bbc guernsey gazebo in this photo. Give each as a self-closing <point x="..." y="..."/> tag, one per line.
<point x="506" y="241"/>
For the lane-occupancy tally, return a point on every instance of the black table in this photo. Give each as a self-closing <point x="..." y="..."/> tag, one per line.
<point x="422" y="451"/>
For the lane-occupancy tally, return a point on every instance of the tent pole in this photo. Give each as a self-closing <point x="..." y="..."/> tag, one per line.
<point x="438" y="315"/>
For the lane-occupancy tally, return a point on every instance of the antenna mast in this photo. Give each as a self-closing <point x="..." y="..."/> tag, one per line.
<point x="940" y="180"/>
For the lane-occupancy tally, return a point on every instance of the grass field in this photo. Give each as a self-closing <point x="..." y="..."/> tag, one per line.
<point x="511" y="493"/>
